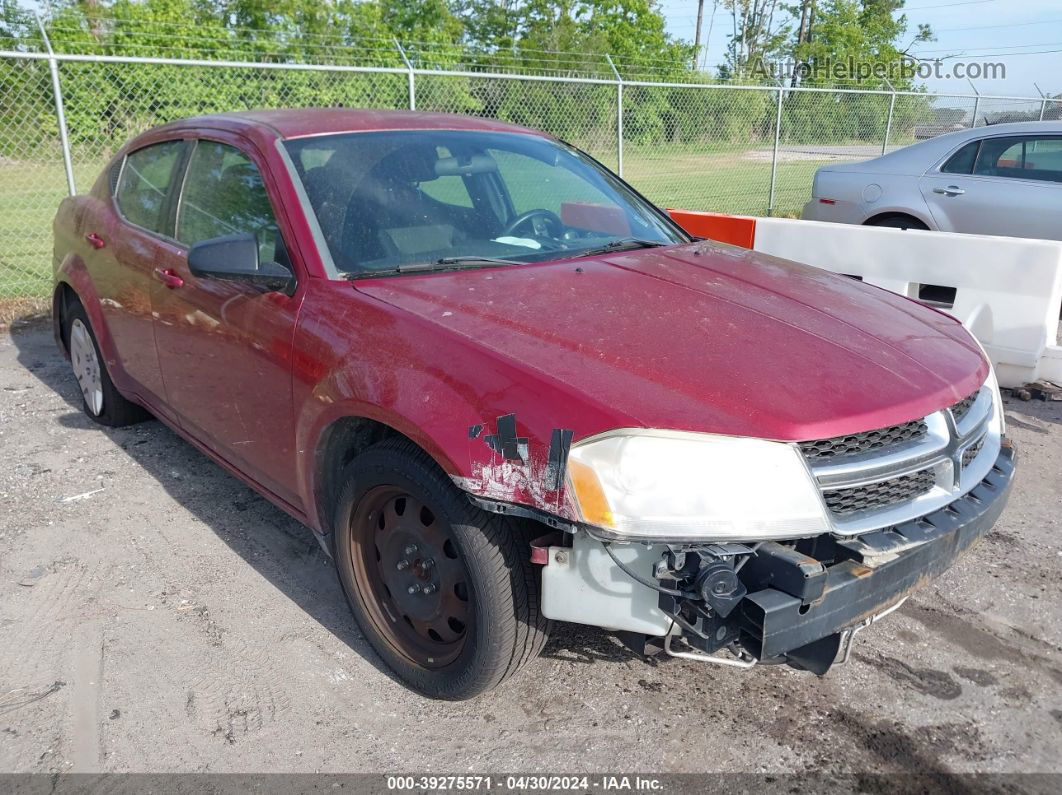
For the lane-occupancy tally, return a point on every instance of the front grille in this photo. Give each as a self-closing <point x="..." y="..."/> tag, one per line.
<point x="863" y="442"/>
<point x="970" y="453"/>
<point x="882" y="494"/>
<point x="962" y="408"/>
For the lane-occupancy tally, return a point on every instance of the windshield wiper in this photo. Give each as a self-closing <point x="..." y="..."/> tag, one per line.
<point x="475" y="261"/>
<point x="444" y="263"/>
<point x="623" y="244"/>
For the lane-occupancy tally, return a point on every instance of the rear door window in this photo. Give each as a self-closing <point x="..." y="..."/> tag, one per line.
<point x="224" y="195"/>
<point x="144" y="185"/>
<point x="1026" y="157"/>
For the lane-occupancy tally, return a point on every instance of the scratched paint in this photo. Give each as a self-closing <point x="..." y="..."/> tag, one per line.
<point x="508" y="468"/>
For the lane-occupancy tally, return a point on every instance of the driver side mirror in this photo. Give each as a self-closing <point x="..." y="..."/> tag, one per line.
<point x="235" y="258"/>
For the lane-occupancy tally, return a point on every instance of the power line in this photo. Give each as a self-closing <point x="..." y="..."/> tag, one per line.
<point x="993" y="54"/>
<point x="999" y="47"/>
<point x="996" y="27"/>
<point x="946" y="5"/>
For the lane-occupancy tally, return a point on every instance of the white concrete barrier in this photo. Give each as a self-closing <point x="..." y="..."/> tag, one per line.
<point x="1008" y="291"/>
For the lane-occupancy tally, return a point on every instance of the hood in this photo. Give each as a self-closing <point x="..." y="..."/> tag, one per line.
<point x="710" y="338"/>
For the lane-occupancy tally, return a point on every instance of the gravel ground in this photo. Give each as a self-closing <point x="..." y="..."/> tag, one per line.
<point x="156" y="615"/>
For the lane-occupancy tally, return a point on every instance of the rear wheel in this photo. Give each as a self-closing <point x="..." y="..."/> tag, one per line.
<point x="898" y="222"/>
<point x="101" y="400"/>
<point x="445" y="593"/>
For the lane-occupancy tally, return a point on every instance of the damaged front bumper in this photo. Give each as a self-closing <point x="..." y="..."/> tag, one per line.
<point x="870" y="573"/>
<point x="793" y="603"/>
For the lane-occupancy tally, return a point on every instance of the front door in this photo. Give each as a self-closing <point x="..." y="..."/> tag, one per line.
<point x="225" y="346"/>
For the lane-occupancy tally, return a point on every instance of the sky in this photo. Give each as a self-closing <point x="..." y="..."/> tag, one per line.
<point x="1024" y="35"/>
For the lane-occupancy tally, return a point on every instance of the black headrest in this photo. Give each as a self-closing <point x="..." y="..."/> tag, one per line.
<point x="244" y="175"/>
<point x="413" y="163"/>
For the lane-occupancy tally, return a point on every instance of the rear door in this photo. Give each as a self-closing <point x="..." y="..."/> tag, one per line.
<point x="1000" y="185"/>
<point x="125" y="243"/>
<point x="225" y="346"/>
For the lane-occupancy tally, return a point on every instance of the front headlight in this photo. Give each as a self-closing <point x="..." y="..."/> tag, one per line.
<point x="694" y="487"/>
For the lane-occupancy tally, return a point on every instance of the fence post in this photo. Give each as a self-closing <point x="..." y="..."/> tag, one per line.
<point x="619" y="115"/>
<point x="888" y="121"/>
<point x="774" y="155"/>
<point x="60" y="114"/>
<point x="409" y="72"/>
<point x="977" y="102"/>
<point x="1043" y="101"/>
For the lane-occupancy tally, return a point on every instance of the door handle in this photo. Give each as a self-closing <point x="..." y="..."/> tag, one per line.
<point x="168" y="277"/>
<point x="951" y="190"/>
<point x="95" y="240"/>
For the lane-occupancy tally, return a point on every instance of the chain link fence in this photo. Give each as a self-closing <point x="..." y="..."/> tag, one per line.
<point x="699" y="146"/>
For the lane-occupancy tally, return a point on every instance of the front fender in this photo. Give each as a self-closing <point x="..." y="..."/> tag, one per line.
<point x="498" y="429"/>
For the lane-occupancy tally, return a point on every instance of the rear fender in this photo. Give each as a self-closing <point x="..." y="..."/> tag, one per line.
<point x="73" y="273"/>
<point x="921" y="213"/>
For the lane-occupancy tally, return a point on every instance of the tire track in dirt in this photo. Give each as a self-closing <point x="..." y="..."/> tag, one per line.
<point x="85" y="697"/>
<point x="241" y="697"/>
<point x="226" y="688"/>
<point x="34" y="663"/>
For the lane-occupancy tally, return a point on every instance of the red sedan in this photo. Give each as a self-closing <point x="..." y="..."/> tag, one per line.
<point x="502" y="389"/>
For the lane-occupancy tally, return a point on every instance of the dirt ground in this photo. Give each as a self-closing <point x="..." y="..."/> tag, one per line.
<point x="156" y="615"/>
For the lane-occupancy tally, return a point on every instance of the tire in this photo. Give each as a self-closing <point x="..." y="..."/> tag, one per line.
<point x="100" y="399"/>
<point x="400" y="523"/>
<point x="899" y="222"/>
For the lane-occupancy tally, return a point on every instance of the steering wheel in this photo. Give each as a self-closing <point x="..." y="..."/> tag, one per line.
<point x="540" y="220"/>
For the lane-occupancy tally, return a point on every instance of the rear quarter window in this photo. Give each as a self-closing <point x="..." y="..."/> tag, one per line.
<point x="962" y="162"/>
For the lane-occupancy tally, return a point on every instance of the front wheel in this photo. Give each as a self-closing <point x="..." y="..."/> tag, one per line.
<point x="445" y="593"/>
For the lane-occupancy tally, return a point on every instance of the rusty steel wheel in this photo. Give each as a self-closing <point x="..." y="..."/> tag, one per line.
<point x="417" y="586"/>
<point x="444" y="592"/>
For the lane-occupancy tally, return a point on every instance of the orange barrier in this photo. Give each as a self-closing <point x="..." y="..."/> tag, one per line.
<point x="738" y="230"/>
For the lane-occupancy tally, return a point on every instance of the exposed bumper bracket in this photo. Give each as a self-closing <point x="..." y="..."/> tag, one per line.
<point x="889" y="566"/>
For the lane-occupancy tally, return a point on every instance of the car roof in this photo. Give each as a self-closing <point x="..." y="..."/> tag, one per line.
<point x="1010" y="128"/>
<point x="944" y="143"/>
<point x="917" y="157"/>
<point x="303" y="122"/>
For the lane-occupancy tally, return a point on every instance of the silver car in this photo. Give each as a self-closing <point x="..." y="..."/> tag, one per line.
<point x="1005" y="179"/>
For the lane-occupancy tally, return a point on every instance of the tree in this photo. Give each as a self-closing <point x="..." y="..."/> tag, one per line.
<point x="864" y="33"/>
<point x="759" y="32"/>
<point x="819" y="38"/>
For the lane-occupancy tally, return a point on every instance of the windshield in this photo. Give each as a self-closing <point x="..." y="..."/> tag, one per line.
<point x="389" y="200"/>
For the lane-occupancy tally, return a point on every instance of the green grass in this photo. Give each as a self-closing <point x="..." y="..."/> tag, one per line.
<point x="730" y="178"/>
<point x="736" y="181"/>
<point x="30" y="192"/>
